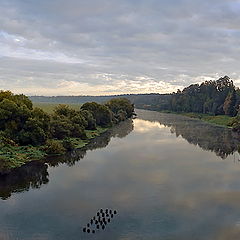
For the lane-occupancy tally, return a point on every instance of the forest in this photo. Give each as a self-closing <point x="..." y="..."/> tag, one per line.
<point x="211" y="97"/>
<point x="215" y="98"/>
<point x="28" y="133"/>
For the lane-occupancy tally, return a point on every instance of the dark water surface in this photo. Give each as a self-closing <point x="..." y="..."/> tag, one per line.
<point x="169" y="177"/>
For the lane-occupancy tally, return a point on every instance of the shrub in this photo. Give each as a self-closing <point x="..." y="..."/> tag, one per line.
<point x="53" y="147"/>
<point x="68" y="144"/>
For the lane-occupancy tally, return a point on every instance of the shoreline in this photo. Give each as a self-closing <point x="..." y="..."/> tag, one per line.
<point x="14" y="157"/>
<point x="219" y="120"/>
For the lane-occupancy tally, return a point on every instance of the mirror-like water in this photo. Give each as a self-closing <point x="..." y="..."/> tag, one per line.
<point x="169" y="177"/>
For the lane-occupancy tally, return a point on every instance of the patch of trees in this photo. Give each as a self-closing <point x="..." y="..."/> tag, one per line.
<point x="21" y="124"/>
<point x="218" y="97"/>
<point x="211" y="97"/>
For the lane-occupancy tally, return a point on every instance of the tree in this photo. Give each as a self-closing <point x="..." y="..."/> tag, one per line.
<point x="91" y="122"/>
<point x="229" y="104"/>
<point x="123" y="104"/>
<point x="101" y="113"/>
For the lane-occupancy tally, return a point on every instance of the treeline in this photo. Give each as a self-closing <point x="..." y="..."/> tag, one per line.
<point x="139" y="100"/>
<point x="23" y="125"/>
<point x="218" y="97"/>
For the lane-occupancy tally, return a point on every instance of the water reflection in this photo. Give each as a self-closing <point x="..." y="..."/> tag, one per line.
<point x="29" y="176"/>
<point x="209" y="137"/>
<point x="120" y="131"/>
<point x="35" y="174"/>
<point x="162" y="187"/>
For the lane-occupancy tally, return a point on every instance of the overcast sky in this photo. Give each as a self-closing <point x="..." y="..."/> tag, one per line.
<point x="98" y="47"/>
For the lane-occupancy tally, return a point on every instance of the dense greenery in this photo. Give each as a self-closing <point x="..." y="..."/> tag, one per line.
<point x="28" y="133"/>
<point x="212" y="97"/>
<point x="222" y="120"/>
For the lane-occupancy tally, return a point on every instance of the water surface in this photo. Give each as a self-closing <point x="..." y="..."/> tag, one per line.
<point x="169" y="177"/>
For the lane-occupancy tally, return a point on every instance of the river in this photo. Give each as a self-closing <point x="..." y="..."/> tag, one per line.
<point x="169" y="177"/>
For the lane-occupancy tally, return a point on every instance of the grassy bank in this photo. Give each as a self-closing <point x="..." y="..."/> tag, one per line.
<point x="16" y="156"/>
<point x="221" y="120"/>
<point x="13" y="156"/>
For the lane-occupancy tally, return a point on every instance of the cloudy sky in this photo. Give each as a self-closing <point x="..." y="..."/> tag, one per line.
<point x="98" y="47"/>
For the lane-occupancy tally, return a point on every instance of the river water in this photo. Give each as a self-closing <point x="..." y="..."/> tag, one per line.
<point x="169" y="177"/>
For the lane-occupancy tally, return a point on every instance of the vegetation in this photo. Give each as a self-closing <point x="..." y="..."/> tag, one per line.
<point x="49" y="107"/>
<point x="222" y="120"/>
<point x="212" y="101"/>
<point x="210" y="97"/>
<point x="28" y="133"/>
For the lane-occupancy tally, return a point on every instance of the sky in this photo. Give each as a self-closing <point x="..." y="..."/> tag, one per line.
<point x="105" y="47"/>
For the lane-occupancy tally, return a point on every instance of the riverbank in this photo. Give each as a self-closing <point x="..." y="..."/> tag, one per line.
<point x="30" y="133"/>
<point x="221" y="120"/>
<point x="14" y="156"/>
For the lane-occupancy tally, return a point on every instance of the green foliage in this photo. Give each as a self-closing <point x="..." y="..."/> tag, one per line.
<point x="12" y="156"/>
<point x="222" y="120"/>
<point x="71" y="125"/>
<point x="94" y="133"/>
<point x="64" y="110"/>
<point x="208" y="97"/>
<point x="235" y="124"/>
<point x="53" y="147"/>
<point x="121" y="115"/>
<point x="68" y="144"/>
<point x="120" y="105"/>
<point x="91" y="121"/>
<point x="24" y="128"/>
<point x="101" y="113"/>
<point x="32" y="133"/>
<point x="60" y="127"/>
<point x="229" y="104"/>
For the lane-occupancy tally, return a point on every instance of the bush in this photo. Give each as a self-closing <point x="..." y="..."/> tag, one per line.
<point x="54" y="147"/>
<point x="121" y="115"/>
<point x="121" y="104"/>
<point x="101" y="113"/>
<point x="91" y="122"/>
<point x="68" y="144"/>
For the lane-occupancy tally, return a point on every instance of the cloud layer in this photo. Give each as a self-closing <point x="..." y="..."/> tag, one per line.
<point x="102" y="47"/>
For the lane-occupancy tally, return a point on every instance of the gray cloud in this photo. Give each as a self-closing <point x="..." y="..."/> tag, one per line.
<point x="109" y="46"/>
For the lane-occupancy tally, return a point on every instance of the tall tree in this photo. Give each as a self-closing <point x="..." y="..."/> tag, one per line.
<point x="229" y="104"/>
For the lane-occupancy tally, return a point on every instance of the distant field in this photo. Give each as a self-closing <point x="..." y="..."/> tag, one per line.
<point x="48" y="107"/>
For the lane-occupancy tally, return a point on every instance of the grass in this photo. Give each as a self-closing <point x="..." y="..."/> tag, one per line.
<point x="79" y="143"/>
<point x="221" y="120"/>
<point x="94" y="133"/>
<point x="16" y="156"/>
<point x="49" y="107"/>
